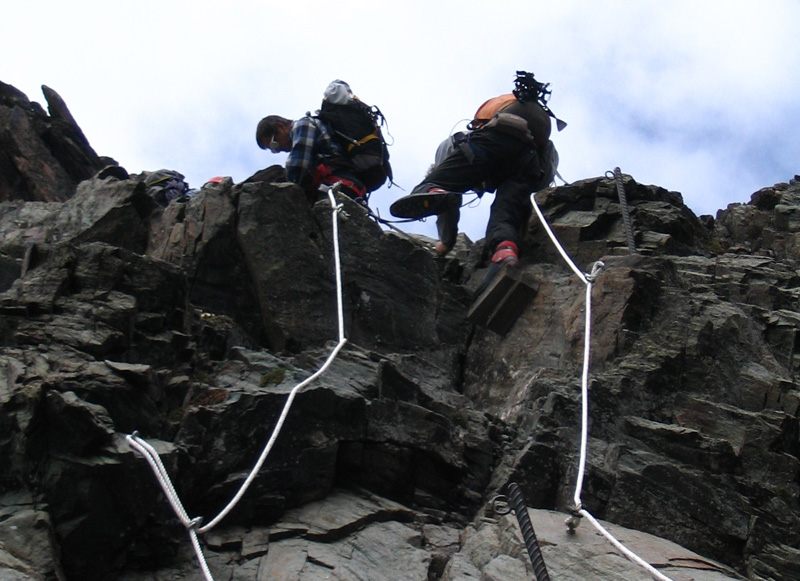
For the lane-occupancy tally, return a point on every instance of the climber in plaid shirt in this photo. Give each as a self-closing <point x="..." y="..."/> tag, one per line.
<point x="314" y="158"/>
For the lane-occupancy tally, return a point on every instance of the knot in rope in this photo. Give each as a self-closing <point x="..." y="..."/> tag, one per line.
<point x="574" y="518"/>
<point x="596" y="268"/>
<point x="194" y="524"/>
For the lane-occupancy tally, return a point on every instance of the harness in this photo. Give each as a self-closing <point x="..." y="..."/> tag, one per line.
<point x="324" y="174"/>
<point x="328" y="171"/>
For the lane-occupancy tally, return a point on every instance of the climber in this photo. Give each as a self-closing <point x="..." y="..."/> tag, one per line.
<point x="507" y="150"/>
<point x="310" y="145"/>
<point x="340" y="143"/>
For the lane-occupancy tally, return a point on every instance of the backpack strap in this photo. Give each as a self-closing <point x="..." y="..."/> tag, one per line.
<point x="355" y="143"/>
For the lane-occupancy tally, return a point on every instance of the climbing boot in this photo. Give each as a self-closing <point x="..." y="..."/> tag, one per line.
<point x="505" y="255"/>
<point x="424" y="204"/>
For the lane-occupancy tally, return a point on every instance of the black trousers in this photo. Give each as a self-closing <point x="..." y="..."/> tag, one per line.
<point x="489" y="160"/>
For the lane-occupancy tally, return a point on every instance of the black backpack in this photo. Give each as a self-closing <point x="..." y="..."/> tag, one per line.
<point x="165" y="185"/>
<point x="357" y="128"/>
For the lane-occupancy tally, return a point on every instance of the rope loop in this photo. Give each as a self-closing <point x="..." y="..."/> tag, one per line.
<point x="195" y="523"/>
<point x="596" y="268"/>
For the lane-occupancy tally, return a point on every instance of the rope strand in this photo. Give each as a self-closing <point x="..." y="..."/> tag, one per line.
<point x="151" y="455"/>
<point x="588" y="279"/>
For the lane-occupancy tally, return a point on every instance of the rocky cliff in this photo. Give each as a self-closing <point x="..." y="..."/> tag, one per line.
<point x="191" y="324"/>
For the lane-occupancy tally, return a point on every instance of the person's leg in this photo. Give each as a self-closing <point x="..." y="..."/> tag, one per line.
<point x="457" y="172"/>
<point x="507" y="219"/>
<point x="509" y="214"/>
<point x="512" y="207"/>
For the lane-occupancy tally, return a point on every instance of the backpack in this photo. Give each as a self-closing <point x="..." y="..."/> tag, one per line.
<point x="165" y="185"/>
<point x="357" y="128"/>
<point x="488" y="110"/>
<point x="526" y="90"/>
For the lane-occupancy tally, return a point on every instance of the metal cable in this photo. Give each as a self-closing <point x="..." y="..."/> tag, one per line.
<point x="525" y="525"/>
<point x="626" y="216"/>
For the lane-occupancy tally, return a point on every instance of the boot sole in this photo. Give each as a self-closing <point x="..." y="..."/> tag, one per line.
<point x="423" y="205"/>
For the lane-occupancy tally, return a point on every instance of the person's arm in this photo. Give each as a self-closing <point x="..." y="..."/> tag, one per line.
<point x="447" y="228"/>
<point x="299" y="163"/>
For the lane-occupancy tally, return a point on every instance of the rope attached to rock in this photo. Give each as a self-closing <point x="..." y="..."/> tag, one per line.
<point x="588" y="279"/>
<point x="152" y="457"/>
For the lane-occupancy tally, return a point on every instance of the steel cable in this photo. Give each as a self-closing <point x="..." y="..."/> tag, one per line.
<point x="528" y="535"/>
<point x="626" y="216"/>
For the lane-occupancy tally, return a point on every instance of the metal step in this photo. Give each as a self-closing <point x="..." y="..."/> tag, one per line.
<point x="499" y="306"/>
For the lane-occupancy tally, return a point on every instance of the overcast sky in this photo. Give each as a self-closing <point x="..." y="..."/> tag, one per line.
<point x="699" y="97"/>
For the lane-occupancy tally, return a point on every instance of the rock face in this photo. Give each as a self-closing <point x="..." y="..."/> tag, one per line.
<point x="191" y="324"/>
<point x="42" y="157"/>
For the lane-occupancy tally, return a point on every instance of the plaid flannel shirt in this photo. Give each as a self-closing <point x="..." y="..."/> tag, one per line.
<point x="311" y="144"/>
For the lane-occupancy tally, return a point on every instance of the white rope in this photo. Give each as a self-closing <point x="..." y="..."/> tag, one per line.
<point x="564" y="255"/>
<point x="152" y="457"/>
<point x="584" y="397"/>
<point x="160" y="471"/>
<point x="588" y="279"/>
<point x="626" y="551"/>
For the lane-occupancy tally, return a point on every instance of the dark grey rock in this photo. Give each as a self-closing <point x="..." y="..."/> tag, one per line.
<point x="42" y="158"/>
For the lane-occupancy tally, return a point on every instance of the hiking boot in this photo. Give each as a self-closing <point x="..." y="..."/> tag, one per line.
<point x="424" y="204"/>
<point x="505" y="255"/>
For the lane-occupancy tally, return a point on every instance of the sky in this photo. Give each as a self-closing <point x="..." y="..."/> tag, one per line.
<point x="698" y="97"/>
